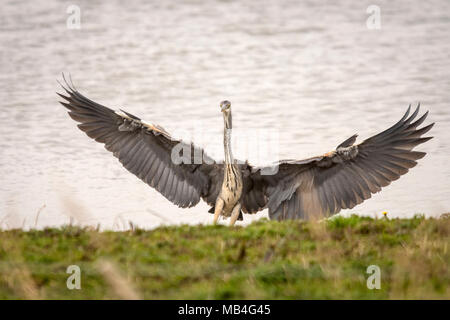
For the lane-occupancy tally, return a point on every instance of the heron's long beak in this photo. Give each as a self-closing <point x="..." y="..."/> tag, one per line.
<point x="227" y="119"/>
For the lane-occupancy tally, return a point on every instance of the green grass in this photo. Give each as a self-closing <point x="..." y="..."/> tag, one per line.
<point x="265" y="260"/>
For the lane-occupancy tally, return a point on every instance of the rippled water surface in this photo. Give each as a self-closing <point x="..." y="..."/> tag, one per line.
<point x="313" y="72"/>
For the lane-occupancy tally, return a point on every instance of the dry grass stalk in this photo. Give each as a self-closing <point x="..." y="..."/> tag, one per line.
<point x="119" y="285"/>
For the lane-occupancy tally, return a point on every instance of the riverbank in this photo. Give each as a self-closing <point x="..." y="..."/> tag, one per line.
<point x="265" y="260"/>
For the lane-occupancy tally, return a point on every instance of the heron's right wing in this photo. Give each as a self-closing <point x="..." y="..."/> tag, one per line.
<point x="144" y="149"/>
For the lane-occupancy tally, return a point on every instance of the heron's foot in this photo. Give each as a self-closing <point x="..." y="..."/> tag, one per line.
<point x="218" y="209"/>
<point x="235" y="214"/>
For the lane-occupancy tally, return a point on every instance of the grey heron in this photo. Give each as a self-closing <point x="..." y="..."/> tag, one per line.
<point x="301" y="189"/>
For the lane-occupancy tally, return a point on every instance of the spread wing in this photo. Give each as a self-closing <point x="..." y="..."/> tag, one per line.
<point x="341" y="179"/>
<point x="145" y="150"/>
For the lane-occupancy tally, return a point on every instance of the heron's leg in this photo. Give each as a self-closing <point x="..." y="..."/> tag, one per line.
<point x="218" y="209"/>
<point x="235" y="214"/>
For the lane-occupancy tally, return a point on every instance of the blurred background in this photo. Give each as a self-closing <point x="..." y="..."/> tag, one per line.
<point x="312" y="70"/>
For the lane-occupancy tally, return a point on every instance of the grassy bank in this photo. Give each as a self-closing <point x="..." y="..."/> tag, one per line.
<point x="266" y="260"/>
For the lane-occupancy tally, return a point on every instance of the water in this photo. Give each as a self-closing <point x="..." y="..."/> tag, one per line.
<point x="314" y="72"/>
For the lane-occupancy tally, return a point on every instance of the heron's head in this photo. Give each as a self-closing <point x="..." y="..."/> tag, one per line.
<point x="225" y="107"/>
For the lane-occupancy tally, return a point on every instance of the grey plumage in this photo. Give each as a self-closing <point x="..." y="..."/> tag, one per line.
<point x="324" y="185"/>
<point x="306" y="189"/>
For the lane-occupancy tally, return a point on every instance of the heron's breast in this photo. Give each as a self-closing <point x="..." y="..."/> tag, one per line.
<point x="231" y="193"/>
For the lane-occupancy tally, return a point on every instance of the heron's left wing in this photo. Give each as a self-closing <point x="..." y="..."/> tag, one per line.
<point x="341" y="179"/>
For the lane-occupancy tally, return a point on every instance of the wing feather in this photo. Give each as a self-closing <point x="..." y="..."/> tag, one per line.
<point x="143" y="149"/>
<point x="323" y="185"/>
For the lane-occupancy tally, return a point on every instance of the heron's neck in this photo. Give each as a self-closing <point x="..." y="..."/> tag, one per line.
<point x="227" y="142"/>
<point x="232" y="175"/>
<point x="227" y="146"/>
